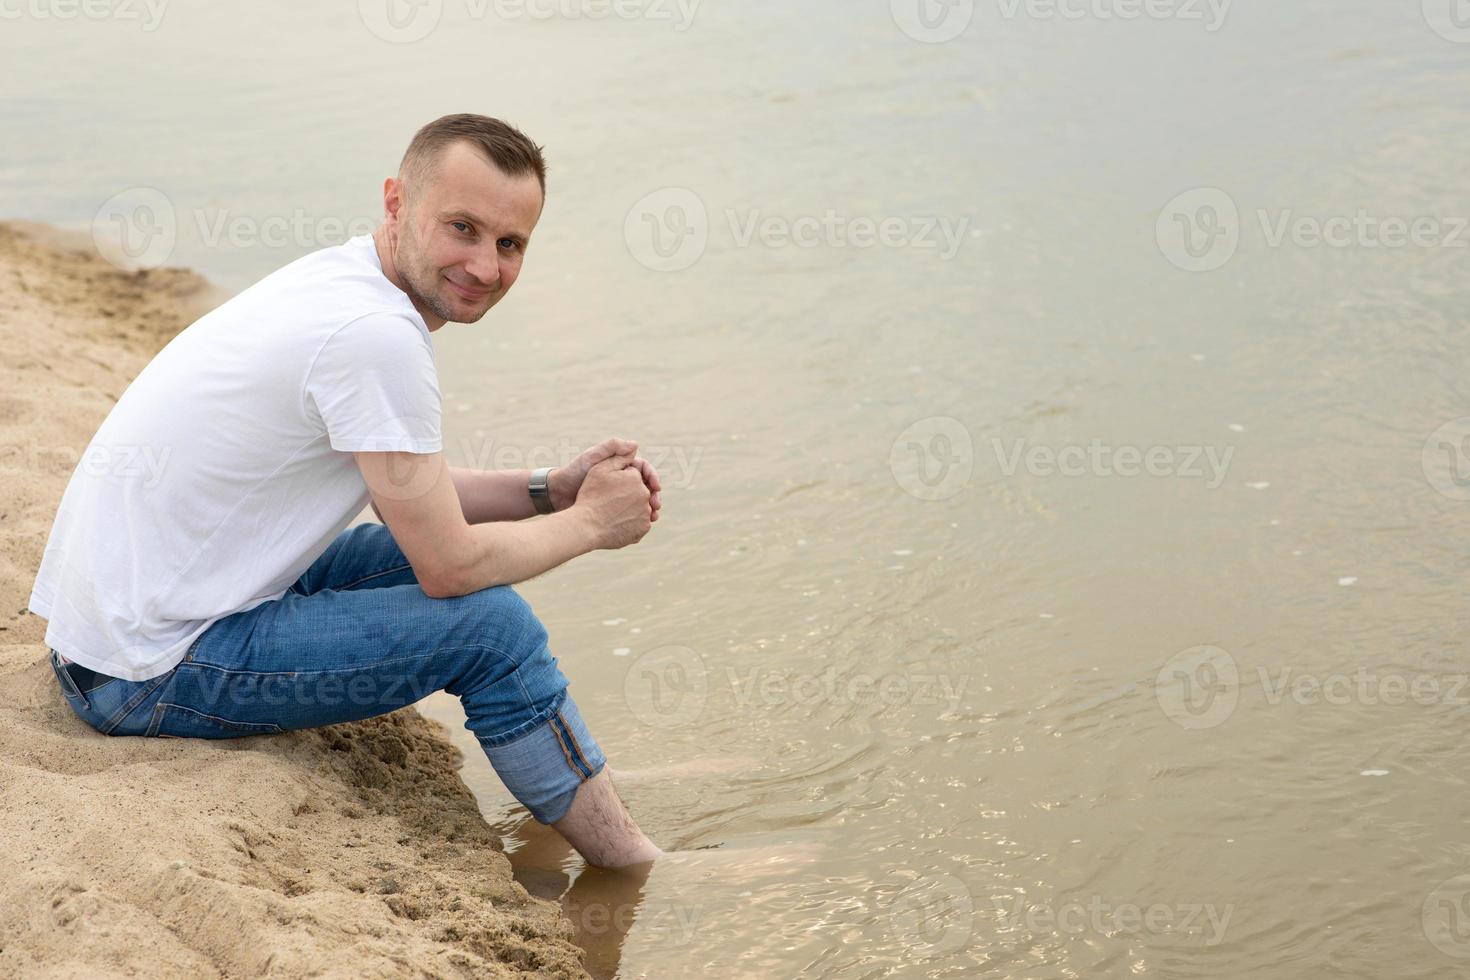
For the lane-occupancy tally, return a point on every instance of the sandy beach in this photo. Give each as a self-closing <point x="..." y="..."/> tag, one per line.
<point x="349" y="851"/>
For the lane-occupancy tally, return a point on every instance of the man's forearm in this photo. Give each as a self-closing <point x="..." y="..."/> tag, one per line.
<point x="487" y="496"/>
<point x="507" y="553"/>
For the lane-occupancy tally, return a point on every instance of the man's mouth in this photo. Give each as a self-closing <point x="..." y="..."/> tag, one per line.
<point x="472" y="295"/>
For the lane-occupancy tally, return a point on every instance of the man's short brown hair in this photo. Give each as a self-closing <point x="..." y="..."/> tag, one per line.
<point x="505" y="146"/>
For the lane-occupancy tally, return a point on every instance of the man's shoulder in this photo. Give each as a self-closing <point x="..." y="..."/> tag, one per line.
<point x="323" y="291"/>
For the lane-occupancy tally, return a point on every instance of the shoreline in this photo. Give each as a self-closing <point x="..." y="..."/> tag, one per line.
<point x="353" y="850"/>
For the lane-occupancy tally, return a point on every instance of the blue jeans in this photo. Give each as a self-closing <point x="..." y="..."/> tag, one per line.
<point x="356" y="637"/>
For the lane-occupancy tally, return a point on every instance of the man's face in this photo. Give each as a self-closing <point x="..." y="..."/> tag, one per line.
<point x="462" y="234"/>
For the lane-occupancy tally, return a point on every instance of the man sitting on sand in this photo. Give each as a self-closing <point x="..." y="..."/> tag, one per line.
<point x="222" y="595"/>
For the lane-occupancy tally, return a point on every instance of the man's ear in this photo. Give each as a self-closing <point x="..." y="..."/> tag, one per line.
<point x="392" y="198"/>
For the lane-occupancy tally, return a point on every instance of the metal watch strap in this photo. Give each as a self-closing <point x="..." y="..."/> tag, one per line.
<point x="540" y="487"/>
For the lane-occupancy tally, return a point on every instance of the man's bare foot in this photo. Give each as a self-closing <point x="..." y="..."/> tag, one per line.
<point x="601" y="829"/>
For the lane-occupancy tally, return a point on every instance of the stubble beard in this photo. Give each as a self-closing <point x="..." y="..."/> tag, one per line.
<point x="425" y="283"/>
<point x="422" y="282"/>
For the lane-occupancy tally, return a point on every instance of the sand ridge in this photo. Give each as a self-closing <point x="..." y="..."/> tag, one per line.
<point x="349" y="851"/>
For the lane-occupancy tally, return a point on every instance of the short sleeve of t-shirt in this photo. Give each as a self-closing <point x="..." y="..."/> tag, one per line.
<point x="375" y="387"/>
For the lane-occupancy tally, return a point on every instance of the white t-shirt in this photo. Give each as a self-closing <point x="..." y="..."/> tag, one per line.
<point x="226" y="467"/>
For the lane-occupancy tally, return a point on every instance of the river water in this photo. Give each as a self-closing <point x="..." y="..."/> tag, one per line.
<point x="1062" y="408"/>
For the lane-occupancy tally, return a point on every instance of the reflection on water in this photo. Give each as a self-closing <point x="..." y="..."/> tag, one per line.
<point x="602" y="905"/>
<point x="1084" y="580"/>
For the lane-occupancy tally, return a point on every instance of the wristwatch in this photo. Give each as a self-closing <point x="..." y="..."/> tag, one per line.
<point x="541" y="490"/>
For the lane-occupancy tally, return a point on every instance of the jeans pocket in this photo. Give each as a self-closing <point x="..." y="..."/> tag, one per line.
<point x="68" y="686"/>
<point x="177" y="721"/>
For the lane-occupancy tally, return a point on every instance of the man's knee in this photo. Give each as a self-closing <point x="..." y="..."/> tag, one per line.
<point x="504" y="613"/>
<point x="500" y="633"/>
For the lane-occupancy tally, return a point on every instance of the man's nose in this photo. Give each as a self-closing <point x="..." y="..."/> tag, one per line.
<point x="485" y="267"/>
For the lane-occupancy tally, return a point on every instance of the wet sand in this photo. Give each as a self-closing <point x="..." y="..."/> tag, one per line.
<point x="351" y="851"/>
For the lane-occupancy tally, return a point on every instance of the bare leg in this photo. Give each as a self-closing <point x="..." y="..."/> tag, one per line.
<point x="601" y="829"/>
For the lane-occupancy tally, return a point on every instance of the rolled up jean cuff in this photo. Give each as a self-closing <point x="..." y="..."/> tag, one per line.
<point x="543" y="769"/>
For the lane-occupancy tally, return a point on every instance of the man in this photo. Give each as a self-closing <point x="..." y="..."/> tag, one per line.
<point x="219" y="594"/>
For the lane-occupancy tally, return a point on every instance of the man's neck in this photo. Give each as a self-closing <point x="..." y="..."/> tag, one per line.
<point x="387" y="258"/>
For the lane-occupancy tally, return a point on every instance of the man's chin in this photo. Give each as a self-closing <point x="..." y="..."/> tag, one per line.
<point x="475" y="313"/>
<point x="456" y="310"/>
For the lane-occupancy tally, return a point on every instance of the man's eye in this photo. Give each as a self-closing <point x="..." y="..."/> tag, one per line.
<point x="509" y="243"/>
<point x="462" y="227"/>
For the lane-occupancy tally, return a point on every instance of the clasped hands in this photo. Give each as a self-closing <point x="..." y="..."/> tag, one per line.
<point x="566" y="481"/>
